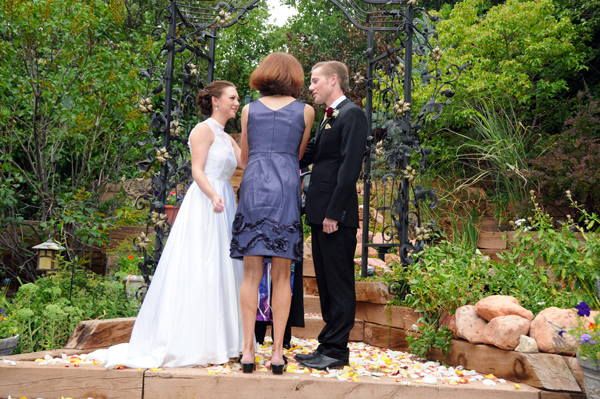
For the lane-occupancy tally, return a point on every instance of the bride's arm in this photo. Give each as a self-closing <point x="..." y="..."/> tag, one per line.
<point x="201" y="139"/>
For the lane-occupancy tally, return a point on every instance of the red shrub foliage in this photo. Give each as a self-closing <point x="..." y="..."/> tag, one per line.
<point x="571" y="161"/>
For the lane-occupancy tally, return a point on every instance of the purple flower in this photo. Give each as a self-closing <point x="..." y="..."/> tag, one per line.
<point x="561" y="332"/>
<point x="585" y="339"/>
<point x="583" y="309"/>
<point x="2" y="310"/>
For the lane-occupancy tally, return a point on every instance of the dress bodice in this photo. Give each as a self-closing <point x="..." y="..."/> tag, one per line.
<point x="277" y="131"/>
<point x="221" y="162"/>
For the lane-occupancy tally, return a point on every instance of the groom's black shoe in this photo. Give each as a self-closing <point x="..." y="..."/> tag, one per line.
<point x="308" y="356"/>
<point x="322" y="362"/>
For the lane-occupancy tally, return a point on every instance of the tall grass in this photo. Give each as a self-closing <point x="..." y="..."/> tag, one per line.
<point x="495" y="150"/>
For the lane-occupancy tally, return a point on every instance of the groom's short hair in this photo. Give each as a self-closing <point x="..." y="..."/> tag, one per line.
<point x="335" y="67"/>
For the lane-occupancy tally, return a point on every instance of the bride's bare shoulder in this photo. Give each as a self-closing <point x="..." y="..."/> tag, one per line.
<point x="201" y="133"/>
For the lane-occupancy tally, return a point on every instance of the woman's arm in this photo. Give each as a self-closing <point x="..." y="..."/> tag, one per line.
<point x="244" y="149"/>
<point x="309" y="118"/>
<point x="201" y="139"/>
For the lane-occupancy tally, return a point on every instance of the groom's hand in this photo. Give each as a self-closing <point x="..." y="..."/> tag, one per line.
<point x="330" y="225"/>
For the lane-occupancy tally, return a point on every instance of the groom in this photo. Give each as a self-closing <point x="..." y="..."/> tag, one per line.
<point x="336" y="153"/>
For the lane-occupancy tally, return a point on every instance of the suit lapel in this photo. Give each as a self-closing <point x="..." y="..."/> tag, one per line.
<point x="321" y="127"/>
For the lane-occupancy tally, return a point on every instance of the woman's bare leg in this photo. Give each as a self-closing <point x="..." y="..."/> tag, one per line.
<point x="253" y="272"/>
<point x="280" y="303"/>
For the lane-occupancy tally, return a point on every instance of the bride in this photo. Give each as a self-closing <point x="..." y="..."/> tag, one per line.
<point x="191" y="313"/>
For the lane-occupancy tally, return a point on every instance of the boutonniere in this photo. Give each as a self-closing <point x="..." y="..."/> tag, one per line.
<point x="330" y="113"/>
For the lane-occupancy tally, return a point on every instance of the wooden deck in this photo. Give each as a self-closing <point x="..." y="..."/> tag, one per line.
<point x="31" y="380"/>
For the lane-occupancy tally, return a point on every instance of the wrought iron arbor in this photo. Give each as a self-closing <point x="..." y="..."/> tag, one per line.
<point x="190" y="28"/>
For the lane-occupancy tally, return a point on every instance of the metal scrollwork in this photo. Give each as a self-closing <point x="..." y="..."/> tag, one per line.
<point x="392" y="202"/>
<point x="184" y="64"/>
<point x="408" y="43"/>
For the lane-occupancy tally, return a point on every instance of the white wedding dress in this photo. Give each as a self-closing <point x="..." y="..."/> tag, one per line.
<point x="191" y="314"/>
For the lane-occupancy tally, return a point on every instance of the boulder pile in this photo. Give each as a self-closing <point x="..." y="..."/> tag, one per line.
<point x="501" y="321"/>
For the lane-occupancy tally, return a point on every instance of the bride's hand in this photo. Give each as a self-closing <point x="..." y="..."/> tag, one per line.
<point x="218" y="204"/>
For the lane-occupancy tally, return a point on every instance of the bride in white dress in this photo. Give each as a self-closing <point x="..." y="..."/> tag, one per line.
<point x="191" y="313"/>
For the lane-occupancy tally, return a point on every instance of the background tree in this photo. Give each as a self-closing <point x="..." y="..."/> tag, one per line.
<point x="66" y="79"/>
<point x="321" y="32"/>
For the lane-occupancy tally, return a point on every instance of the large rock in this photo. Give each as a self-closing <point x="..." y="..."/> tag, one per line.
<point x="378" y="238"/>
<point x="359" y="235"/>
<point x="505" y="331"/>
<point x="376" y="216"/>
<point x="501" y="305"/>
<point x="547" y="325"/>
<point x="392" y="258"/>
<point x="358" y="252"/>
<point x="526" y="345"/>
<point x="448" y="320"/>
<point x="469" y="325"/>
<point x="377" y="264"/>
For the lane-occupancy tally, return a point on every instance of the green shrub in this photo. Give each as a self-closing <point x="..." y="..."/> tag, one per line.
<point x="572" y="263"/>
<point x="447" y="276"/>
<point x="46" y="317"/>
<point x="127" y="259"/>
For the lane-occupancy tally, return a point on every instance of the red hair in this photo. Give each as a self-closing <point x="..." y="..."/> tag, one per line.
<point x="278" y="73"/>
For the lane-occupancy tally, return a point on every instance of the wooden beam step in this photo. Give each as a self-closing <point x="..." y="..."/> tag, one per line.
<point x="94" y="334"/>
<point x="312" y="304"/>
<point x="393" y="316"/>
<point x="195" y="383"/>
<point x="540" y="370"/>
<point x="366" y="291"/>
<point x="491" y="240"/>
<point x="314" y="325"/>
<point x="385" y="337"/>
<point x="30" y="380"/>
<point x="308" y="267"/>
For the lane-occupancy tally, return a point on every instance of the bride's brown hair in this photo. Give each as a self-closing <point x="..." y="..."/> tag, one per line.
<point x="214" y="89"/>
<point x="278" y="73"/>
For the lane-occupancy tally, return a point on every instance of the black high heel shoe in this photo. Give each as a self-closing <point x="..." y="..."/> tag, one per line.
<point x="278" y="369"/>
<point x="247" y="367"/>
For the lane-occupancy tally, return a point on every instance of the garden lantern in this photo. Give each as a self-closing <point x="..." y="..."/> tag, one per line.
<point x="47" y="255"/>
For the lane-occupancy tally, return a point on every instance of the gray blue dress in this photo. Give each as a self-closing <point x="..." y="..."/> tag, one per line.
<point x="267" y="222"/>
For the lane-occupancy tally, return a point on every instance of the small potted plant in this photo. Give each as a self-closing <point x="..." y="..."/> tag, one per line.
<point x="586" y="334"/>
<point x="172" y="206"/>
<point x="128" y="267"/>
<point x="8" y="327"/>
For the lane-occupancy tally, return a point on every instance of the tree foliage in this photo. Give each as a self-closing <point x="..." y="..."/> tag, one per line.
<point x="66" y="79"/>
<point x="321" y="32"/>
<point x="519" y="52"/>
<point x="64" y="96"/>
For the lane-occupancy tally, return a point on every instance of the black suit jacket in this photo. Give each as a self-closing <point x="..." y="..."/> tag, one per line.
<point x="336" y="153"/>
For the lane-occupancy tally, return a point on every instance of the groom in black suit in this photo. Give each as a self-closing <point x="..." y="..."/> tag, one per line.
<point x="336" y="154"/>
